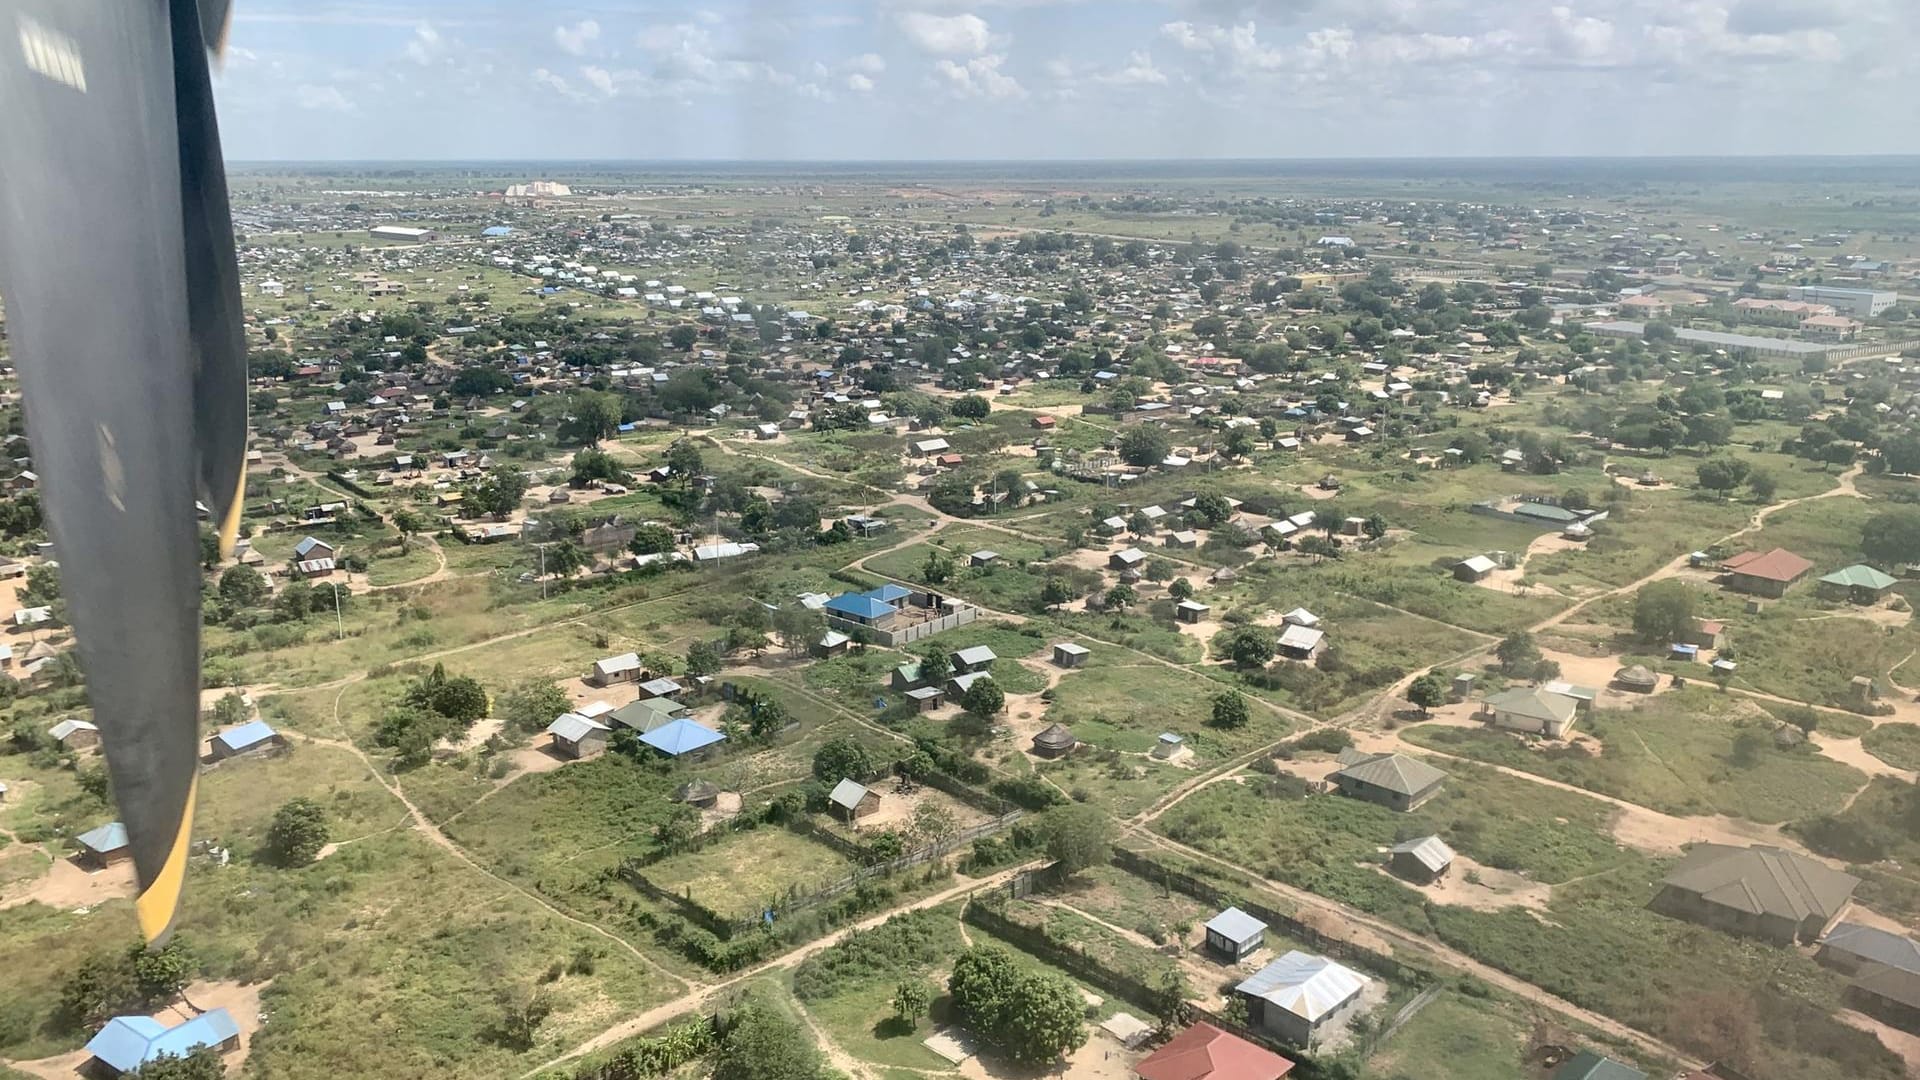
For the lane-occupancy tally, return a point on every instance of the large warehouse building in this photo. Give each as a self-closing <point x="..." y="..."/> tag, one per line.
<point x="1859" y="303"/>
<point x="403" y="234"/>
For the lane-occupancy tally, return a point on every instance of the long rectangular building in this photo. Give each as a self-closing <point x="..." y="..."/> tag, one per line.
<point x="1753" y="343"/>
<point x="1859" y="303"/>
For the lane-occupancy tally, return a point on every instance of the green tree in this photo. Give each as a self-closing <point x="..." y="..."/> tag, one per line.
<point x="531" y="704"/>
<point x="935" y="667"/>
<point x="518" y="1025"/>
<point x="407" y="521"/>
<point x="1079" y="836"/>
<point x="1891" y="538"/>
<point x="911" y="998"/>
<point x="762" y="1044"/>
<point x="230" y="710"/>
<point x="1054" y="591"/>
<point x="1721" y="475"/>
<point x="703" y="658"/>
<point x="972" y="407"/>
<point x="498" y="492"/>
<point x="1145" y="446"/>
<point x="159" y="975"/>
<point x="843" y="758"/>
<point x="984" y="698"/>
<point x="591" y="464"/>
<point x="1230" y="710"/>
<point x="202" y="1063"/>
<point x="683" y="459"/>
<point x="1426" y="692"/>
<point x="461" y="699"/>
<point x="1763" y="485"/>
<point x="1180" y="589"/>
<point x="1376" y="526"/>
<point x="596" y="416"/>
<point x="651" y="538"/>
<point x="1032" y="1017"/>
<point x="1516" y="651"/>
<point x="937" y="569"/>
<point x="1119" y="597"/>
<point x="298" y="832"/>
<point x="242" y="586"/>
<point x="1248" y="646"/>
<point x="1239" y="442"/>
<point x="1663" y="611"/>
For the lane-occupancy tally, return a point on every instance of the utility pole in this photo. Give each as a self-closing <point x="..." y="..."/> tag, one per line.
<point x="339" y="626"/>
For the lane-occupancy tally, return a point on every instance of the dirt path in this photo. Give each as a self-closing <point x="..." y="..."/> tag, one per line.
<point x="447" y="844"/>
<point x="1402" y="939"/>
<point x="700" y="995"/>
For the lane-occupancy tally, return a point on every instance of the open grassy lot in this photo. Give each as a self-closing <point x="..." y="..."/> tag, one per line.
<point x="1329" y="844"/>
<point x="849" y="988"/>
<point x="1126" y="709"/>
<point x="1883" y="823"/>
<point x="1896" y="744"/>
<point x="741" y="875"/>
<point x="1455" y="1037"/>
<point x="1695" y="751"/>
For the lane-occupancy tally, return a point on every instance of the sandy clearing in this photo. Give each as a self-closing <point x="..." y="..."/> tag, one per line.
<point x="1101" y="1058"/>
<point x="67" y="887"/>
<point x="1850" y="752"/>
<point x="1905" y="1045"/>
<point x="1493" y="889"/>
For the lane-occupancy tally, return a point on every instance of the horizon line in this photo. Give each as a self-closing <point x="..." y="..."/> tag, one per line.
<point x="1862" y="156"/>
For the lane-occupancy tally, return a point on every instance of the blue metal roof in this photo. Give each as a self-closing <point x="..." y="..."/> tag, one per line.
<point x="858" y="605"/>
<point x="681" y="736"/>
<point x="128" y="1042"/>
<point x="252" y="733"/>
<point x="109" y="837"/>
<point x="889" y="593"/>
<point x="496" y="230"/>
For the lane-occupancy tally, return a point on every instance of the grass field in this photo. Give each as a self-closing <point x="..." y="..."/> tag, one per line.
<point x="1455" y="1037"/>
<point x="1690" y="752"/>
<point x="1896" y="744"/>
<point x="742" y="875"/>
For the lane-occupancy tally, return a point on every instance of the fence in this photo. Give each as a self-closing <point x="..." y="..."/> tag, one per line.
<point x="725" y="927"/>
<point x="984" y="801"/>
<point x="1146" y="868"/>
<point x="959" y="616"/>
<point x="1070" y="960"/>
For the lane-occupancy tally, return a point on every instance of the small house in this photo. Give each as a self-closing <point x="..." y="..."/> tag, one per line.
<point x="103" y="846"/>
<point x="252" y="737"/>
<point x="1765" y="573"/>
<point x="1850" y="947"/>
<point x="578" y="737"/>
<point x="1395" y="781"/>
<point x="1181" y="538"/>
<point x="1233" y="935"/>
<point x="646" y="714"/>
<point x="831" y="644"/>
<point x="983" y="558"/>
<point x="74" y="734"/>
<point x="697" y="793"/>
<point x="852" y="801"/>
<point x="1759" y="891"/>
<point x="1474" y="569"/>
<point x="662" y="687"/>
<point x="1169" y="746"/>
<point x="1424" y="861"/>
<point x="1298" y="998"/>
<point x="1705" y="634"/>
<point x="1205" y="1052"/>
<point x="1533" y="711"/>
<point x="682" y="739"/>
<point x="1126" y="559"/>
<point x="1066" y="654"/>
<point x="127" y="1044"/>
<point x="973" y="658"/>
<point x="616" y="669"/>
<point x="1461" y="686"/>
<point x="1888" y="994"/>
<point x="1191" y="611"/>
<point x="1301" y="642"/>
<point x="1054" y="741"/>
<point x="1587" y="1065"/>
<point x="958" y="685"/>
<point x="906" y="677"/>
<point x="925" y="699"/>
<point x="1859" y="584"/>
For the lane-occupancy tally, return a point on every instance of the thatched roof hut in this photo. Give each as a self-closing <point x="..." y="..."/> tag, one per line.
<point x="1638" y="678"/>
<point x="1054" y="741"/>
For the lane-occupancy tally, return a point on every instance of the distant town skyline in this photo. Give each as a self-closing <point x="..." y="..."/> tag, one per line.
<point x="904" y="80"/>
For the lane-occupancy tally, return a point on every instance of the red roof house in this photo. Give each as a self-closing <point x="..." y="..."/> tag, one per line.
<point x="1043" y="421"/>
<point x="1204" y="1052"/>
<point x="1765" y="573"/>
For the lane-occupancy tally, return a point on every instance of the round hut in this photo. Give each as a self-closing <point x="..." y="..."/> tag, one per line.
<point x="1055" y="741"/>
<point x="701" y="793"/>
<point x="1638" y="678"/>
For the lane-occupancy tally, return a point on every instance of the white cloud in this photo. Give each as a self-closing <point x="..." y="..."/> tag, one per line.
<point x="575" y="39"/>
<point x="859" y="83"/>
<point x="979" y="77"/>
<point x="1139" y="71"/>
<point x="322" y="98"/>
<point x="425" y="45"/>
<point x="867" y="64"/>
<point x="946" y="35"/>
<point x="600" y="79"/>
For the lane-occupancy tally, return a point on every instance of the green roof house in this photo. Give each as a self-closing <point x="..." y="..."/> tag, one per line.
<point x="1587" y="1065"/>
<point x="1859" y="583"/>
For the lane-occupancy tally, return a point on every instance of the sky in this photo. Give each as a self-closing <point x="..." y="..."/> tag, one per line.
<point x="872" y="80"/>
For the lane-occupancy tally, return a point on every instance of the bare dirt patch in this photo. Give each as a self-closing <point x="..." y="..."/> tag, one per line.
<point x="67" y="887"/>
<point x="1905" y="1045"/>
<point x="1484" y="888"/>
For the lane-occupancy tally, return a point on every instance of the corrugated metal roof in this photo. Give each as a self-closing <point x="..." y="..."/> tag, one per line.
<point x="1236" y="926"/>
<point x="1309" y="987"/>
